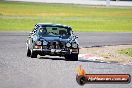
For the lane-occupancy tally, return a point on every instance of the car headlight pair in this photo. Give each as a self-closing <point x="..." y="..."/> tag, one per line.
<point x="40" y="43"/>
<point x="74" y="45"/>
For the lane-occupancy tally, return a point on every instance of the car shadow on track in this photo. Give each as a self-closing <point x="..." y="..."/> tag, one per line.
<point x="91" y="61"/>
<point x="63" y="59"/>
<point x="98" y="61"/>
<point x="52" y="58"/>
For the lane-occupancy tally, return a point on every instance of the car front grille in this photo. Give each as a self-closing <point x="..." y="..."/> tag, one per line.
<point x="56" y="45"/>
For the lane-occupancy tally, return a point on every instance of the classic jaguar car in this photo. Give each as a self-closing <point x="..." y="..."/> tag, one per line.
<point x="54" y="40"/>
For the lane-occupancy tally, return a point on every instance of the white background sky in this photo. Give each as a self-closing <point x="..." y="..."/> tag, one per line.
<point x="90" y="2"/>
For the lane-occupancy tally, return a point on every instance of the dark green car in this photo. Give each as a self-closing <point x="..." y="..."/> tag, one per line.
<point x="54" y="40"/>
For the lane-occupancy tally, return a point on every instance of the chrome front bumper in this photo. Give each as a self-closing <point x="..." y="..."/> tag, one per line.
<point x="56" y="51"/>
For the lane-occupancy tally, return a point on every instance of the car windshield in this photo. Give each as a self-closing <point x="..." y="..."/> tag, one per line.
<point x="54" y="31"/>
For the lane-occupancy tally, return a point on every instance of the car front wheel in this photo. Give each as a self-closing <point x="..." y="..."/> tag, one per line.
<point x="28" y="52"/>
<point x="33" y="54"/>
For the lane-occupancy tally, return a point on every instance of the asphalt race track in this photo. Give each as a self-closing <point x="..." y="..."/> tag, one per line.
<point x="19" y="71"/>
<point x="104" y="38"/>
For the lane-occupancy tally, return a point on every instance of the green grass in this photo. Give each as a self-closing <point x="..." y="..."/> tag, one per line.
<point x="22" y="16"/>
<point x="126" y="51"/>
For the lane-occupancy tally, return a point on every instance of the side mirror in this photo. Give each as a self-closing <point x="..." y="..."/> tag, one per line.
<point x="29" y="36"/>
<point x="31" y="32"/>
<point x="76" y="36"/>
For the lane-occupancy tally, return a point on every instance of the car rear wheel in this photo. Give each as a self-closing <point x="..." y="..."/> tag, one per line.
<point x="72" y="57"/>
<point x="33" y="54"/>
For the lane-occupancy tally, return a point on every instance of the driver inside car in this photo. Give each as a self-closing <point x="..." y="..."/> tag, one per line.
<point x="43" y="31"/>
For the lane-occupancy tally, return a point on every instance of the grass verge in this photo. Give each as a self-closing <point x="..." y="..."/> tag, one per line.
<point x="22" y="16"/>
<point x="126" y="51"/>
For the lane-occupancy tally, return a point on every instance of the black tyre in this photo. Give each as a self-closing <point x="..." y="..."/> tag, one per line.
<point x="28" y="52"/>
<point x="72" y="57"/>
<point x="33" y="54"/>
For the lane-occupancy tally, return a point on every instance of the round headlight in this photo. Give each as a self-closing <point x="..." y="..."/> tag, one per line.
<point x="45" y="42"/>
<point x="74" y="45"/>
<point x="38" y="43"/>
<point x="68" y="44"/>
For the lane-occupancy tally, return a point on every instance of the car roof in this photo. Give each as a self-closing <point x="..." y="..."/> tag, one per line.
<point x="50" y="24"/>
